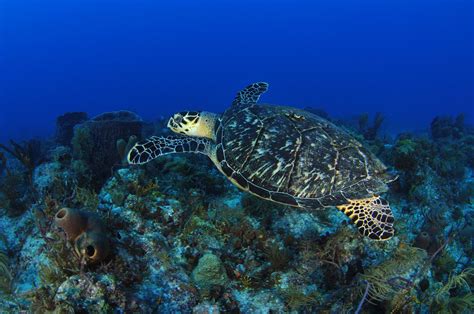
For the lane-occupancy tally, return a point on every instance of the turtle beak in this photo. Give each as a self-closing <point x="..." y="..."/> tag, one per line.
<point x="169" y="122"/>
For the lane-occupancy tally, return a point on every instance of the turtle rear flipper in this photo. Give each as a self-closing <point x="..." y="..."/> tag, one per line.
<point x="372" y="216"/>
<point x="156" y="146"/>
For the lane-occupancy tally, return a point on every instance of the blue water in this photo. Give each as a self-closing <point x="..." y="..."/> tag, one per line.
<point x="411" y="60"/>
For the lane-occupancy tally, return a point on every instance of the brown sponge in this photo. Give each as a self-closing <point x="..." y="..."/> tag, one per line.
<point x="72" y="221"/>
<point x="87" y="231"/>
<point x="93" y="246"/>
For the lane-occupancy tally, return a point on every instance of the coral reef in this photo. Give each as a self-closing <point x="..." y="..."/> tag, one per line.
<point x="123" y="147"/>
<point x="65" y="126"/>
<point x="28" y="154"/>
<point x="81" y="232"/>
<point x="94" y="142"/>
<point x="15" y="194"/>
<point x="446" y="127"/>
<point x="370" y="132"/>
<point x="209" y="272"/>
<point x="72" y="221"/>
<point x="5" y="274"/>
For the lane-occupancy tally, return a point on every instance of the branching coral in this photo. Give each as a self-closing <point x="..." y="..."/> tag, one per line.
<point x="3" y="163"/>
<point x="87" y="198"/>
<point x="29" y="154"/>
<point x="385" y="277"/>
<point x="6" y="276"/>
<point x="16" y="197"/>
<point x="335" y="251"/>
<point x="42" y="301"/>
<point x="456" y="281"/>
<point x="404" y="154"/>
<point x="279" y="257"/>
<point x="370" y="132"/>
<point x="296" y="298"/>
<point x="142" y="190"/>
<point x="443" y="127"/>
<point x="246" y="281"/>
<point x="461" y="304"/>
<point x="61" y="264"/>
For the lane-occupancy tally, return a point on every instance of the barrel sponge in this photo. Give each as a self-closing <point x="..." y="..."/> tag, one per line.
<point x="72" y="221"/>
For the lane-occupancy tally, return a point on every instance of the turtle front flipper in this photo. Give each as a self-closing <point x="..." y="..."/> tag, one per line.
<point x="250" y="95"/>
<point x="157" y="146"/>
<point x="372" y="216"/>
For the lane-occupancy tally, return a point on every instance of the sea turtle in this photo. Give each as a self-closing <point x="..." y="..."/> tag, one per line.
<point x="285" y="155"/>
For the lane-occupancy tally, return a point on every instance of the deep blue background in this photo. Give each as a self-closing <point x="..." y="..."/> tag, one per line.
<point x="411" y="60"/>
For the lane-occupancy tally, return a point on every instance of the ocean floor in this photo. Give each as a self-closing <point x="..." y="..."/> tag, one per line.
<point x="81" y="231"/>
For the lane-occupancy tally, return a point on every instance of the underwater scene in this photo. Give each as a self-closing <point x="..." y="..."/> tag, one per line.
<point x="236" y="156"/>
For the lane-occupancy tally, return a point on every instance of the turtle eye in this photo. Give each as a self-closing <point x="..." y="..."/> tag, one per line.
<point x="178" y="119"/>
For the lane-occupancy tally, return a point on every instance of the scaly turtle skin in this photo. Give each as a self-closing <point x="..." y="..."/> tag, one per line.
<point x="285" y="155"/>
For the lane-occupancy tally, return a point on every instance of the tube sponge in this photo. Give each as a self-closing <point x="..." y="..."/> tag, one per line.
<point x="72" y="221"/>
<point x="422" y="240"/>
<point x="87" y="232"/>
<point x="93" y="246"/>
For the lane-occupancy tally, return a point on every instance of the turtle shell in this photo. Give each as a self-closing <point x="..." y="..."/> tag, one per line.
<point x="294" y="157"/>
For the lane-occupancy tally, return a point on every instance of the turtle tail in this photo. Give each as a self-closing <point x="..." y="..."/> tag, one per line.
<point x="156" y="146"/>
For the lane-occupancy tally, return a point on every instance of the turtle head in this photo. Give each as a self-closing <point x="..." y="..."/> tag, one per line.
<point x="193" y="123"/>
